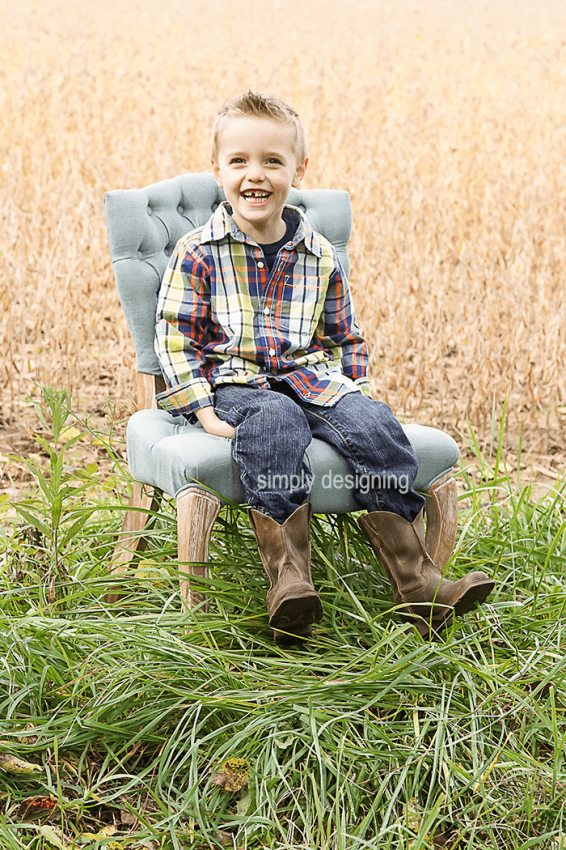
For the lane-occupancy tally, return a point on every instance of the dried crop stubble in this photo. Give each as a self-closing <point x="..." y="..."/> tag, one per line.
<point x="447" y="129"/>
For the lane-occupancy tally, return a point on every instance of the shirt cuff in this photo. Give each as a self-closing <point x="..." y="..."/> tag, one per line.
<point x="364" y="386"/>
<point x="186" y="398"/>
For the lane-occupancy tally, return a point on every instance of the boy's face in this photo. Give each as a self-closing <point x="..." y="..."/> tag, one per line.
<point x="256" y="165"/>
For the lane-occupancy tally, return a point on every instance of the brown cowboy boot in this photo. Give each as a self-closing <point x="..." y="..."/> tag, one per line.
<point x="292" y="602"/>
<point x="430" y="601"/>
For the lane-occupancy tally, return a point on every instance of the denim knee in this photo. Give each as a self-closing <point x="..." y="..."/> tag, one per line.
<point x="262" y="413"/>
<point x="271" y="435"/>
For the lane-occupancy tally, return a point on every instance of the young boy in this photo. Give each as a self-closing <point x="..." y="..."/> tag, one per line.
<point x="257" y="338"/>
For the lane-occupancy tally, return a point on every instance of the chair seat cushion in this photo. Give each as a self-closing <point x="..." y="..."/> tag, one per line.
<point x="167" y="452"/>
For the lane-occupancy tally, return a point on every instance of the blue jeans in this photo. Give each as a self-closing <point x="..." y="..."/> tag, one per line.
<point x="274" y="427"/>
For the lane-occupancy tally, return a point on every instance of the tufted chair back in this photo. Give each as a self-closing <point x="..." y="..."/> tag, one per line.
<point x="144" y="226"/>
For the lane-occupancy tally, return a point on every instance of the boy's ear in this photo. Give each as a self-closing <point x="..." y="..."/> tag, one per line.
<point x="217" y="173"/>
<point x="299" y="174"/>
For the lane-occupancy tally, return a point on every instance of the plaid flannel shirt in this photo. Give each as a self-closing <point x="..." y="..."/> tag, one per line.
<point x="223" y="319"/>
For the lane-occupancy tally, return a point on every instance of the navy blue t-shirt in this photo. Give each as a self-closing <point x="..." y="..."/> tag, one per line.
<point x="270" y="251"/>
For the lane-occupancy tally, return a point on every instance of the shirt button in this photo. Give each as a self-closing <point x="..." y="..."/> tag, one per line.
<point x="260" y="265"/>
<point x="266" y="311"/>
<point x="271" y="352"/>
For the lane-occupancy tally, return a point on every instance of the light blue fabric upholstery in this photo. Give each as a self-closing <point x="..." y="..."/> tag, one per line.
<point x="168" y="453"/>
<point x="165" y="451"/>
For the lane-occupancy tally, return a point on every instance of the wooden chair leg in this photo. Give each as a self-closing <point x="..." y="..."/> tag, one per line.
<point x="197" y="510"/>
<point x="442" y="520"/>
<point x="131" y="541"/>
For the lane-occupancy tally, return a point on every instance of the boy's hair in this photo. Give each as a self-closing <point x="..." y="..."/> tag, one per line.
<point x="262" y="106"/>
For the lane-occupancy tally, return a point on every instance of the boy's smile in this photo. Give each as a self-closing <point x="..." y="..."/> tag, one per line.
<point x="255" y="197"/>
<point x="256" y="165"/>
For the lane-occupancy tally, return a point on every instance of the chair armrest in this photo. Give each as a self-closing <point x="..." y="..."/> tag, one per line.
<point x="147" y="387"/>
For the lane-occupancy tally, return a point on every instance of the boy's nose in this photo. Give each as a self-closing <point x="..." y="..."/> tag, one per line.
<point x="255" y="172"/>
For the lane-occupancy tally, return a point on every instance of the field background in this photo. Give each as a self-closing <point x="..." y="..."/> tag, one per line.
<point x="445" y="121"/>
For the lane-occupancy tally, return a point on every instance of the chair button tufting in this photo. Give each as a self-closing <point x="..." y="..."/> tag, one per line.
<point x="149" y="210"/>
<point x="168" y="250"/>
<point x="180" y="209"/>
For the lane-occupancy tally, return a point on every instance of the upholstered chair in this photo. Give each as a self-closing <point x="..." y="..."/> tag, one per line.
<point x="166" y="454"/>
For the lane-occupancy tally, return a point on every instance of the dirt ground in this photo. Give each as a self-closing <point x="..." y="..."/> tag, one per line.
<point x="105" y="405"/>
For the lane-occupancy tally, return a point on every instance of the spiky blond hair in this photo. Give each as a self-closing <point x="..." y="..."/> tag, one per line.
<point x="262" y="106"/>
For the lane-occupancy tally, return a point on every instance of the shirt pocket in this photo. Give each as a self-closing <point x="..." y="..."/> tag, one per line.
<point x="300" y="308"/>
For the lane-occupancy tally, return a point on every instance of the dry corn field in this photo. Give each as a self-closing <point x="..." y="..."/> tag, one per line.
<point x="445" y="121"/>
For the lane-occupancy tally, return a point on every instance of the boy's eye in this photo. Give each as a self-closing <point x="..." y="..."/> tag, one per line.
<point x="273" y="160"/>
<point x="236" y="160"/>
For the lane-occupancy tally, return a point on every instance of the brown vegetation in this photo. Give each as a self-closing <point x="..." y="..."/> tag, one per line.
<point x="445" y="121"/>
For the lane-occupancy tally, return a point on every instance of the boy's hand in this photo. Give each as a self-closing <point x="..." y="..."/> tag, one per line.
<point x="212" y="424"/>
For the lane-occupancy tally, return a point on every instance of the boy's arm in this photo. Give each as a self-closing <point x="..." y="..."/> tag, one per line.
<point x="182" y="331"/>
<point x="338" y="329"/>
<point x="212" y="424"/>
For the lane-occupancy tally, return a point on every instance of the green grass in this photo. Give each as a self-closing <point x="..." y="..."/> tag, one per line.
<point x="367" y="738"/>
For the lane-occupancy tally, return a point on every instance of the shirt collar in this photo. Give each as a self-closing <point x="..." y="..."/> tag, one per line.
<point x="220" y="224"/>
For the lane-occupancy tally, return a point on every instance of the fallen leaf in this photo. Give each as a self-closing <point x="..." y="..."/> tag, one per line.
<point x="412" y="814"/>
<point x="232" y="775"/>
<point x="104" y="833"/>
<point x="243" y="804"/>
<point x="54" y="836"/>
<point x="37" y="806"/>
<point x="12" y="764"/>
<point x="283" y="742"/>
<point x="67" y="434"/>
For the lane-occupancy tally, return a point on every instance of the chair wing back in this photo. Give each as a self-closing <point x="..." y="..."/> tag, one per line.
<point x="144" y="226"/>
